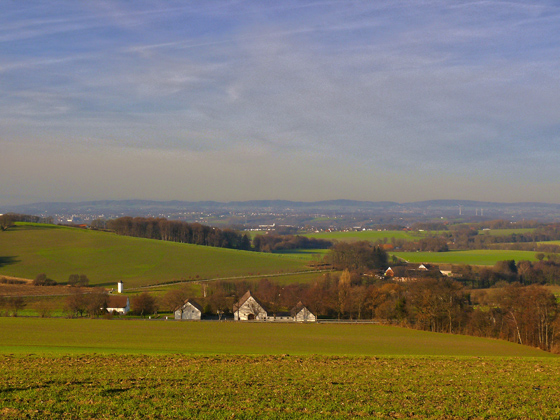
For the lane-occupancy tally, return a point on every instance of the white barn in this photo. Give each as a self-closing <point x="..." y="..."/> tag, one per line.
<point x="189" y="310"/>
<point x="300" y="313"/>
<point x="249" y="309"/>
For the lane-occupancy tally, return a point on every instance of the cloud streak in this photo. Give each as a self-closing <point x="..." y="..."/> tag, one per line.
<point x="377" y="98"/>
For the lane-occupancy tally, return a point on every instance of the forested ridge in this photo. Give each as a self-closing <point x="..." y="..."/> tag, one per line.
<point x="198" y="234"/>
<point x="177" y="231"/>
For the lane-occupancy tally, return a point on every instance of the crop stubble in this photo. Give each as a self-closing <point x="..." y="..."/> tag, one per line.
<point x="281" y="386"/>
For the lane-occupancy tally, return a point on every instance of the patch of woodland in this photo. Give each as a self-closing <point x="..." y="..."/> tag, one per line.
<point x="275" y="242"/>
<point x="522" y="314"/>
<point x="178" y="231"/>
<point x="544" y="271"/>
<point x="8" y="220"/>
<point x="471" y="236"/>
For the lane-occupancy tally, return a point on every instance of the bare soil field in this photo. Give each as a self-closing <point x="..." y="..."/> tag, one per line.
<point x="24" y="290"/>
<point x="17" y="279"/>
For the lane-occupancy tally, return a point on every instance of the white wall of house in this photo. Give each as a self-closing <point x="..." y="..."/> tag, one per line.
<point x="122" y="311"/>
<point x="250" y="310"/>
<point x="188" y="312"/>
<point x="305" y="315"/>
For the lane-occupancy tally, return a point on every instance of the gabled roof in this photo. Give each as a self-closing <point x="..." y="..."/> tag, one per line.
<point x="117" y="301"/>
<point x="192" y="302"/>
<point x="424" y="267"/>
<point x="244" y="299"/>
<point x="297" y="309"/>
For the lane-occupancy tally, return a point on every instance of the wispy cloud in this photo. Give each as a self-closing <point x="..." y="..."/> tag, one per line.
<point x="383" y="87"/>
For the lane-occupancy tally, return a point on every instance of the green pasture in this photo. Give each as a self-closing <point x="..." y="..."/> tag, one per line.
<point x="505" y="232"/>
<point x="278" y="387"/>
<point x="82" y="336"/>
<point x="550" y="243"/>
<point x="30" y="249"/>
<point x="93" y="368"/>
<point x="368" y="235"/>
<point x="471" y="257"/>
<point x="304" y="254"/>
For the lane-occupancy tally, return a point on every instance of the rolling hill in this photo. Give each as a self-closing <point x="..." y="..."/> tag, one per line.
<point x="30" y="249"/>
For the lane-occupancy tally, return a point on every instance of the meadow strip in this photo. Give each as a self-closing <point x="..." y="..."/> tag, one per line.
<point x="83" y="336"/>
<point x="280" y="387"/>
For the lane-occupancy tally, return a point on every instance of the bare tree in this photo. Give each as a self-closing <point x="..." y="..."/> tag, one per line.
<point x="15" y="304"/>
<point x="175" y="298"/>
<point x="144" y="304"/>
<point x="76" y="303"/>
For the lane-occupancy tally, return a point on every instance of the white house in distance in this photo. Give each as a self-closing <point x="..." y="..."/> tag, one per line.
<point x="190" y="310"/>
<point x="249" y="309"/>
<point x="300" y="313"/>
<point x="119" y="304"/>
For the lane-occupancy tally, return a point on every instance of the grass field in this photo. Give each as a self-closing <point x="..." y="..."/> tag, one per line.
<point x="374" y="235"/>
<point x="278" y="387"/>
<point x="368" y="235"/>
<point x="77" y="336"/>
<point x="474" y="257"/>
<point x="550" y="243"/>
<point x="105" y="258"/>
<point x="211" y="370"/>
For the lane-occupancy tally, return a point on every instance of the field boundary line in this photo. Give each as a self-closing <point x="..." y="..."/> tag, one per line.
<point x="153" y="286"/>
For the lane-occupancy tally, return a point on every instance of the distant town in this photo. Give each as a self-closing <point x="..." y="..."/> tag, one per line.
<point x="307" y="216"/>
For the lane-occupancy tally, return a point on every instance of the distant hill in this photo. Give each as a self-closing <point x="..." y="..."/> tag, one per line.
<point x="114" y="208"/>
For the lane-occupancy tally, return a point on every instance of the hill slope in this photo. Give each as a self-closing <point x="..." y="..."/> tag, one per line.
<point x="82" y="336"/>
<point x="30" y="249"/>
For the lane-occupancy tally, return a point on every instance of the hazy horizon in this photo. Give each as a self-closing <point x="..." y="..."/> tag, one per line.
<point x="298" y="100"/>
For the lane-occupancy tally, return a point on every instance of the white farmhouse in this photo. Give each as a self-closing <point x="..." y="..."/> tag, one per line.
<point x="249" y="309"/>
<point x="300" y="313"/>
<point x="189" y="310"/>
<point x="119" y="304"/>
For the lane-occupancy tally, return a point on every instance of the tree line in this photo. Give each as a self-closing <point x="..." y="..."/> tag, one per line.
<point x="469" y="236"/>
<point x="198" y="234"/>
<point x="522" y="314"/>
<point x="544" y="271"/>
<point x="7" y="220"/>
<point x="177" y="231"/>
<point x="274" y="242"/>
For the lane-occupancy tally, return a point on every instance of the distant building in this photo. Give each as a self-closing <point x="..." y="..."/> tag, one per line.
<point x="190" y="310"/>
<point x="119" y="304"/>
<point x="413" y="272"/>
<point x="300" y="313"/>
<point x="249" y="309"/>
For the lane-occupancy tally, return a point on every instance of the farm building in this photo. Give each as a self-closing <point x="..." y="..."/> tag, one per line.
<point x="413" y="272"/>
<point x="249" y="308"/>
<point x="119" y="304"/>
<point x="300" y="313"/>
<point x="280" y="316"/>
<point x="189" y="310"/>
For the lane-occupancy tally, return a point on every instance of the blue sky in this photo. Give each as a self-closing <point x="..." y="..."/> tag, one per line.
<point x="299" y="100"/>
